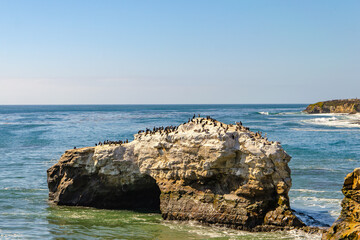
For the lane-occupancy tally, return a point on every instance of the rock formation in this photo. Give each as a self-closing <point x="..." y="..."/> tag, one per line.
<point x="347" y="226"/>
<point x="335" y="106"/>
<point x="101" y="177"/>
<point x="202" y="170"/>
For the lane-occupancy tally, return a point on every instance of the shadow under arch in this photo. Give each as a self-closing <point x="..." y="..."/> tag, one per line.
<point x="141" y="193"/>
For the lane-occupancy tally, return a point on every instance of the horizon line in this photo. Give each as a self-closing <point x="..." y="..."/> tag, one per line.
<point x="112" y="104"/>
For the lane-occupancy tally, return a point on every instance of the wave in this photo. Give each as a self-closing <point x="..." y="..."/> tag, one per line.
<point x="336" y="120"/>
<point x="312" y="201"/>
<point x="291" y="113"/>
<point x="280" y="113"/>
<point x="316" y="211"/>
<point x="200" y="231"/>
<point x="298" y="234"/>
<point x="315" y="168"/>
<point x="309" y="190"/>
<point x="324" y="130"/>
<point x="23" y="189"/>
<point x="321" y="218"/>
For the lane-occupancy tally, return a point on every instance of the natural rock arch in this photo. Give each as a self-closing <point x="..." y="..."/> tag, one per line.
<point x="204" y="170"/>
<point x="73" y="184"/>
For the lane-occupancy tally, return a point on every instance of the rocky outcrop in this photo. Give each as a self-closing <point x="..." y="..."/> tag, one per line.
<point x="98" y="177"/>
<point x="202" y="170"/>
<point x="347" y="226"/>
<point x="335" y="106"/>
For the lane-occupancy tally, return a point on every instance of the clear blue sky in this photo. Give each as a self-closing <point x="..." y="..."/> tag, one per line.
<point x="131" y="52"/>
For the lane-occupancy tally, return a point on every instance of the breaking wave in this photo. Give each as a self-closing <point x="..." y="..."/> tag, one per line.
<point x="336" y="120"/>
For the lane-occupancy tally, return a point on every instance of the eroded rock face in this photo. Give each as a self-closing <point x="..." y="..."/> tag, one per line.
<point x="347" y="226"/>
<point x="205" y="170"/>
<point x="94" y="177"/>
<point x="335" y="106"/>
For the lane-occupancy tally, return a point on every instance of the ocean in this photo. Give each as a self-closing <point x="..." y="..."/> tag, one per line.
<point x="324" y="148"/>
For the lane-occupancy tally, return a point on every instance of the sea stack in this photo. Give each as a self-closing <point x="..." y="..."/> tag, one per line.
<point x="335" y="106"/>
<point x="202" y="170"/>
<point x="347" y="226"/>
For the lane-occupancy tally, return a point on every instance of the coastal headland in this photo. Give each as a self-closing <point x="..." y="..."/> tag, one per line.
<point x="335" y="106"/>
<point x="202" y="170"/>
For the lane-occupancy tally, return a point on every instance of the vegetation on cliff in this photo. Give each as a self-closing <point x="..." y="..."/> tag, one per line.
<point x="335" y="106"/>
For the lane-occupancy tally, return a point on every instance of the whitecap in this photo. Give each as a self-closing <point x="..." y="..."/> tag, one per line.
<point x="312" y="201"/>
<point x="291" y="113"/>
<point x="264" y="113"/>
<point x="309" y="190"/>
<point x="324" y="130"/>
<point x="298" y="234"/>
<point x="336" y="120"/>
<point x="199" y="230"/>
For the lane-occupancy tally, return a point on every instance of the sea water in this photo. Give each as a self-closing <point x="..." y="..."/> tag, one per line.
<point x="324" y="148"/>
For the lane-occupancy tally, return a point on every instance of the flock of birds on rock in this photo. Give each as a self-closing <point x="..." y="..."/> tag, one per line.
<point x="166" y="130"/>
<point x="161" y="130"/>
<point x="107" y="142"/>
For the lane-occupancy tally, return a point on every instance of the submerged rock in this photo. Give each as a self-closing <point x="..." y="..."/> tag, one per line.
<point x="202" y="170"/>
<point x="347" y="226"/>
<point x="335" y="106"/>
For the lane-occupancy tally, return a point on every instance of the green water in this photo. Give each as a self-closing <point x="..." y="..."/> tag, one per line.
<point x="90" y="223"/>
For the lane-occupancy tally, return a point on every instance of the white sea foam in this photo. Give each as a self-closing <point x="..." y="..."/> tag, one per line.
<point x="351" y="160"/>
<point x="298" y="234"/>
<point x="280" y="113"/>
<point x="291" y="113"/>
<point x="24" y="189"/>
<point x="309" y="190"/>
<point x="325" y="130"/>
<point x="201" y="231"/>
<point x="310" y="167"/>
<point x="312" y="201"/>
<point x="335" y="120"/>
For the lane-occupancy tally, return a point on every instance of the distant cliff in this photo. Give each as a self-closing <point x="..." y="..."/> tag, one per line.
<point x="202" y="170"/>
<point x="335" y="106"/>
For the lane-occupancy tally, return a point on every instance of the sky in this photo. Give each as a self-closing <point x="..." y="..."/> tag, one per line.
<point x="178" y="52"/>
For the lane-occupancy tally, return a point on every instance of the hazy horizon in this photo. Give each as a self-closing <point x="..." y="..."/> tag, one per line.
<point x="144" y="104"/>
<point x="188" y="52"/>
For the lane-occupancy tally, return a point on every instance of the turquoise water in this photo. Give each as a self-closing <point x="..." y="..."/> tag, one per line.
<point x="324" y="148"/>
